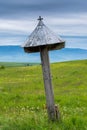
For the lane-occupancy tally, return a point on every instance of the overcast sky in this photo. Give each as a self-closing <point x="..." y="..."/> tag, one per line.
<point x="18" y="18"/>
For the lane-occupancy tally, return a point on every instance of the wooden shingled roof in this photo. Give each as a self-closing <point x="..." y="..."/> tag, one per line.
<point x="42" y="36"/>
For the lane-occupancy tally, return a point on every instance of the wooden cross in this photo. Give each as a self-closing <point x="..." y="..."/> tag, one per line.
<point x="40" y="18"/>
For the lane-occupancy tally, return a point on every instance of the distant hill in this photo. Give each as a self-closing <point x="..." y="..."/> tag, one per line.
<point x="17" y="54"/>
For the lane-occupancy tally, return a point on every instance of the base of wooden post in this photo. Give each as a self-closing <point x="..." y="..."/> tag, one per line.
<point x="57" y="116"/>
<point x="57" y="113"/>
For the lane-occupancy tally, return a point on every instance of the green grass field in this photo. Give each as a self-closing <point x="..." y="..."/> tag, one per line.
<point x="22" y="97"/>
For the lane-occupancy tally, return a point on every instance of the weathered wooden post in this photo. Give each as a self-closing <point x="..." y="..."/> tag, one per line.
<point x="42" y="40"/>
<point x="47" y="83"/>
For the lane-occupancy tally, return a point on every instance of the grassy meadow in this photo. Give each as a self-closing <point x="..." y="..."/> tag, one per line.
<point x="22" y="97"/>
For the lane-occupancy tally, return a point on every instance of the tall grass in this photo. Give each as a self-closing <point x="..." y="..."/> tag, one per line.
<point x="22" y="97"/>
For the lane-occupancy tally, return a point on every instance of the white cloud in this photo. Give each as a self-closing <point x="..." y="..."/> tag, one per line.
<point x="79" y="20"/>
<point x="56" y="23"/>
<point x="16" y="25"/>
<point x="67" y="25"/>
<point x="11" y="41"/>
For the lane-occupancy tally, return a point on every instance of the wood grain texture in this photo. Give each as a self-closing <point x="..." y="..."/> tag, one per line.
<point x="47" y="83"/>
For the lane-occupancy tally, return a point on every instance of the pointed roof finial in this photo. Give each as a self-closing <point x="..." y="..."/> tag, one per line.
<point x="40" y="18"/>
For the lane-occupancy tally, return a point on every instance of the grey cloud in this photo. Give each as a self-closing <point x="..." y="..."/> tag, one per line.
<point x="20" y="8"/>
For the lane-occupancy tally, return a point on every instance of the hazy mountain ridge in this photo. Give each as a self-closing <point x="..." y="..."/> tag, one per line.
<point x="17" y="54"/>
